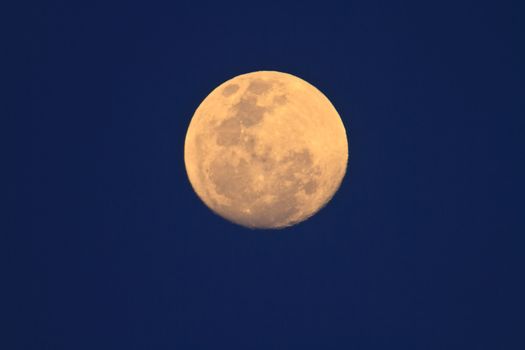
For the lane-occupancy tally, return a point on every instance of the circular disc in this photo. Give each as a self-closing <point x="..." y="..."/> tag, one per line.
<point x="266" y="150"/>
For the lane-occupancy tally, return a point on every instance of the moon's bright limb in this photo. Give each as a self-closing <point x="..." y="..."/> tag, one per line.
<point x="266" y="150"/>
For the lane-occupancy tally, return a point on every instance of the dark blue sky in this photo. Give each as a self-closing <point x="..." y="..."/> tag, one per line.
<point x="421" y="248"/>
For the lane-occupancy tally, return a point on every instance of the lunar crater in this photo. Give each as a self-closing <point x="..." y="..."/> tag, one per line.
<point x="280" y="100"/>
<point x="230" y="89"/>
<point x="259" y="86"/>
<point x="248" y="112"/>
<point x="228" y="132"/>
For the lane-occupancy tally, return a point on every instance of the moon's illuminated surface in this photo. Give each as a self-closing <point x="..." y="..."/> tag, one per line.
<point x="266" y="150"/>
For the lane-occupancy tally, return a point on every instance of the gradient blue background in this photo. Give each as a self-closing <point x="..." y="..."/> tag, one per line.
<point x="421" y="248"/>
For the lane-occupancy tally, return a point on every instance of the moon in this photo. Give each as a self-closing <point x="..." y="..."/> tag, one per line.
<point x="266" y="150"/>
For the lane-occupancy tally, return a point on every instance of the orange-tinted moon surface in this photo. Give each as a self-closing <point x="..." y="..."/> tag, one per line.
<point x="266" y="150"/>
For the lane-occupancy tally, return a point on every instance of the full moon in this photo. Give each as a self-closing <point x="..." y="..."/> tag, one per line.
<point x="266" y="150"/>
